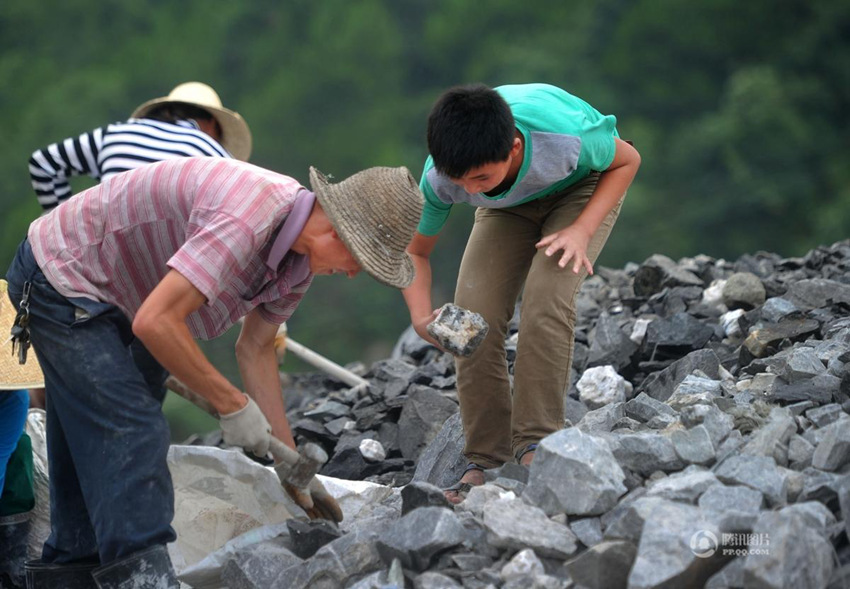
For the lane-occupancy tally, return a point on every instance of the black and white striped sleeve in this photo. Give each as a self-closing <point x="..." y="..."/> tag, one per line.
<point x="52" y="166"/>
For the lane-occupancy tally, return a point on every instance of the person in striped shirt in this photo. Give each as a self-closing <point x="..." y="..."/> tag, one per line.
<point x="189" y="122"/>
<point x="124" y="276"/>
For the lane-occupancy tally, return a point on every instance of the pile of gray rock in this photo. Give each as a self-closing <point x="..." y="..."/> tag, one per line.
<point x="707" y="444"/>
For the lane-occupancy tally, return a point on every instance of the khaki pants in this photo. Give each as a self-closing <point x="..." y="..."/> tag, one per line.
<point x="500" y="257"/>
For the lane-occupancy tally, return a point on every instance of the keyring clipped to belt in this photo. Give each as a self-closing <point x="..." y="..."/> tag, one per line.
<point x="21" y="326"/>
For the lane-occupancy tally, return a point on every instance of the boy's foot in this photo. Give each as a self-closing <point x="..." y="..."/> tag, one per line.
<point x="473" y="476"/>
<point x="526" y="457"/>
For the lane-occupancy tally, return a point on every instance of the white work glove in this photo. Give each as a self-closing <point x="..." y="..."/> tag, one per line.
<point x="247" y="428"/>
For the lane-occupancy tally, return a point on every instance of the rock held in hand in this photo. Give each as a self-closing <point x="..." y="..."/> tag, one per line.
<point x="458" y="330"/>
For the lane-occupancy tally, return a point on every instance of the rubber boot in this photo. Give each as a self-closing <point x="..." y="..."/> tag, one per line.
<point x="147" y="569"/>
<point x="14" y="530"/>
<point x="59" y="576"/>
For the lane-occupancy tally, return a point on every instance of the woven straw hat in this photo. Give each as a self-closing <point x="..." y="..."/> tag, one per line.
<point x="235" y="134"/>
<point x="14" y="376"/>
<point x="375" y="213"/>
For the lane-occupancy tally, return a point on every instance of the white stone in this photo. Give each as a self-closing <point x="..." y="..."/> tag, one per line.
<point x="729" y="321"/>
<point x="372" y="450"/>
<point x="481" y="495"/>
<point x="639" y="330"/>
<point x="359" y="499"/>
<point x="713" y="295"/>
<point x="524" y="563"/>
<point x="600" y="386"/>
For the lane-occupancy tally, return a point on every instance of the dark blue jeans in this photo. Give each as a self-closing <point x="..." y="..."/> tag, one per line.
<point x="110" y="488"/>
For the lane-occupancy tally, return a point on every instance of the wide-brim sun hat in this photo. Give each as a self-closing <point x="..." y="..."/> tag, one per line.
<point x="14" y="376"/>
<point x="375" y="213"/>
<point x="235" y="134"/>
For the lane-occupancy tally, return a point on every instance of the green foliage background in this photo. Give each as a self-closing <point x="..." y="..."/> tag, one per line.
<point x="739" y="109"/>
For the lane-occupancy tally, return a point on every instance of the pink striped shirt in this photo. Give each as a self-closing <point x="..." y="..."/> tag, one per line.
<point x="212" y="220"/>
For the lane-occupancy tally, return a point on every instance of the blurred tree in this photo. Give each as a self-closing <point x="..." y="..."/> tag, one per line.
<point x="738" y="109"/>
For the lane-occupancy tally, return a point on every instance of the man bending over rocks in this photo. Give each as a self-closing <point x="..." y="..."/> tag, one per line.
<point x="112" y="288"/>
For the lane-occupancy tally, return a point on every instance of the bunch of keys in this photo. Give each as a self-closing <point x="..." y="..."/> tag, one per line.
<point x="20" y="327"/>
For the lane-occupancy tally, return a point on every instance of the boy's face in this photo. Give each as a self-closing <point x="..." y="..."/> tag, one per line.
<point x="493" y="175"/>
<point x="484" y="178"/>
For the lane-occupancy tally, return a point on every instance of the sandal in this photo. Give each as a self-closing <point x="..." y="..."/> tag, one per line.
<point x="526" y="450"/>
<point x="462" y="488"/>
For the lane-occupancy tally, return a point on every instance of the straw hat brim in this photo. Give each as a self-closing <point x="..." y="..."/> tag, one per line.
<point x="15" y="376"/>
<point x="236" y="136"/>
<point x="392" y="268"/>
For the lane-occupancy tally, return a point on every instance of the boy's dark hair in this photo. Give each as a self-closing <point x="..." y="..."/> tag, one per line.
<point x="171" y="112"/>
<point x="469" y="126"/>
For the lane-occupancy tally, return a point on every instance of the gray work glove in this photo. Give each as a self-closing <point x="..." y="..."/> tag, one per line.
<point x="247" y="428"/>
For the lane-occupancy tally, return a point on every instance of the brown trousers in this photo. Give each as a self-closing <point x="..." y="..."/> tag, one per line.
<point x="500" y="257"/>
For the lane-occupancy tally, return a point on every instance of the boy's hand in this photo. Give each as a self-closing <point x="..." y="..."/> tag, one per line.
<point x="420" y="326"/>
<point x="574" y="242"/>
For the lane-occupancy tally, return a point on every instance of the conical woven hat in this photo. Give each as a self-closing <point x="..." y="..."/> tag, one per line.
<point x="14" y="376"/>
<point x="235" y="134"/>
<point x="375" y="212"/>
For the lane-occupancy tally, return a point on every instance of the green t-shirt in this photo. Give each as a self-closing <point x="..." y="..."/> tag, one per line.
<point x="565" y="139"/>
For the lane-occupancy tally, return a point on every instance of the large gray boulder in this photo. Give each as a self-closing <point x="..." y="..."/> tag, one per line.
<point x="734" y="508"/>
<point x="418" y="537"/>
<point x="718" y="424"/>
<point x="773" y="437"/>
<point x="694" y="446"/>
<point x="430" y="580"/>
<point x="626" y="522"/>
<point x="644" y="408"/>
<point x="817" y="515"/>
<point x="658" y="272"/>
<point x="514" y="525"/>
<point x="743" y="290"/>
<point x="686" y="486"/>
<point x="731" y="575"/>
<point x="588" y="530"/>
<point x="646" y="452"/>
<point x="801" y="364"/>
<point x="610" y="345"/>
<point x="695" y="390"/>
<point x="817" y="292"/>
<point x="789" y="553"/>
<point x="677" y="548"/>
<point x="335" y="564"/>
<point x="732" y="498"/>
<point x="442" y="463"/>
<point x="660" y="385"/>
<point x="257" y="565"/>
<point x="601" y="420"/>
<point x="604" y="566"/>
<point x="756" y="472"/>
<point x="833" y="451"/>
<point x="422" y="418"/>
<point x="574" y="473"/>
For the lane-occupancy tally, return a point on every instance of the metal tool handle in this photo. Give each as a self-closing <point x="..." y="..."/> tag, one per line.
<point x="326" y="365"/>
<point x="283" y="453"/>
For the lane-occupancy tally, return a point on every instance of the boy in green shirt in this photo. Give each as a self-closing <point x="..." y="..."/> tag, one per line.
<point x="548" y="174"/>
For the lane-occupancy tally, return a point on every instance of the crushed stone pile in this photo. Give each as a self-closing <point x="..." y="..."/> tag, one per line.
<point x="707" y="443"/>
